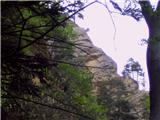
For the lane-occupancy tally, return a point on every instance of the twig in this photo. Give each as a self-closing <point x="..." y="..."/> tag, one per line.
<point x="46" y="105"/>
<point x="53" y="27"/>
<point x="114" y="36"/>
<point x="22" y="29"/>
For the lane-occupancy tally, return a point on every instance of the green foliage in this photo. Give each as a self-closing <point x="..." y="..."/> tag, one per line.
<point x="66" y="32"/>
<point x="147" y="102"/>
<point x="40" y="79"/>
<point x="26" y="13"/>
<point x="133" y="70"/>
<point x="80" y="91"/>
<point x="113" y="95"/>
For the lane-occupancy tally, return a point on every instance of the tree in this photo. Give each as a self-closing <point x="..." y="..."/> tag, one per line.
<point x="37" y="50"/>
<point x="152" y="18"/>
<point x="18" y="26"/>
<point x="133" y="69"/>
<point x="113" y="94"/>
<point x="153" y="55"/>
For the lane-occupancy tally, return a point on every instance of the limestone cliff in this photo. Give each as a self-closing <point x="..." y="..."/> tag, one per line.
<point x="101" y="65"/>
<point x="104" y="68"/>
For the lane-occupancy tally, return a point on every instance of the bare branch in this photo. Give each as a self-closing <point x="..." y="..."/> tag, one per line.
<point x="46" y="105"/>
<point x="105" y="5"/>
<point x="58" y="24"/>
<point x="22" y="28"/>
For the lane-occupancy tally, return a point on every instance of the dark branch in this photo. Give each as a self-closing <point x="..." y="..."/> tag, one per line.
<point x="147" y="10"/>
<point x="49" y="106"/>
<point x="58" y="24"/>
<point x="22" y="29"/>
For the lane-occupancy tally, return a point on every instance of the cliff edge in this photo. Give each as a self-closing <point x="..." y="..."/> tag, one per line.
<point x="104" y="69"/>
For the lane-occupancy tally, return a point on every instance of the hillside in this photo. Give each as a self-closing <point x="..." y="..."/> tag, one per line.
<point x="104" y="71"/>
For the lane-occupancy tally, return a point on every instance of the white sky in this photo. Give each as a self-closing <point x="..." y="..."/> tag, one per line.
<point x="129" y="33"/>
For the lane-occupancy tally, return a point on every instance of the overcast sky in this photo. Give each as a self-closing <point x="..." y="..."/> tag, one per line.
<point x="129" y="34"/>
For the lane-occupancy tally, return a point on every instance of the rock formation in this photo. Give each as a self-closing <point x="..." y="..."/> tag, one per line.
<point x="104" y="68"/>
<point x="100" y="64"/>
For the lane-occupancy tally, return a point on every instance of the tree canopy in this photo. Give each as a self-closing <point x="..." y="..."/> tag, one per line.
<point x="40" y="75"/>
<point x="37" y="53"/>
<point x="133" y="70"/>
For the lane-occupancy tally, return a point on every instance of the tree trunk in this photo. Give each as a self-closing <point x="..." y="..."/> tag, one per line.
<point x="153" y="65"/>
<point x="153" y="56"/>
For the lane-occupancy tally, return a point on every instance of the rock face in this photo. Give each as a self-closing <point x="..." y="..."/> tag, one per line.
<point x="100" y="64"/>
<point x="97" y="61"/>
<point x="104" y="68"/>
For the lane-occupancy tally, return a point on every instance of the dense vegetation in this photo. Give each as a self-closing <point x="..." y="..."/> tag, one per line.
<point x="114" y="95"/>
<point x="121" y="101"/>
<point x="41" y="77"/>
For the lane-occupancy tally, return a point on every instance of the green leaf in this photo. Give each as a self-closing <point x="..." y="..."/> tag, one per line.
<point x="26" y="13"/>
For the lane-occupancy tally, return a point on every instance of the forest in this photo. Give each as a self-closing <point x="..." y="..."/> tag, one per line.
<point x="42" y="78"/>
